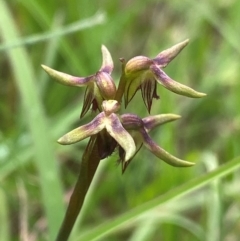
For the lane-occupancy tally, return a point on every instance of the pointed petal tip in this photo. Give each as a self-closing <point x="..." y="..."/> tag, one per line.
<point x="46" y="68"/>
<point x="185" y="164"/>
<point x="104" y="48"/>
<point x="188" y="92"/>
<point x="185" y="42"/>
<point x="163" y="79"/>
<point x="162" y="154"/>
<point x="169" y="116"/>
<point x="107" y="62"/>
<point x="151" y="122"/>
<point x="70" y="138"/>
<point x="63" y="140"/>
<point x="49" y="70"/>
<point x="198" y="95"/>
<point x="167" y="55"/>
<point x="180" y="163"/>
<point x="177" y="116"/>
<point x="66" y="79"/>
<point x="172" y="116"/>
<point x="178" y="47"/>
<point x="176" y="162"/>
<point x="52" y="72"/>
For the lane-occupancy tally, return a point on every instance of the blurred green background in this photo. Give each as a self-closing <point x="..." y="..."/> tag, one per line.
<point x="37" y="175"/>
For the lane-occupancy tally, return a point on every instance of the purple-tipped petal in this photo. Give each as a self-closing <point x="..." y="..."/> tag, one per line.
<point x="67" y="79"/>
<point x="174" y="86"/>
<point x="123" y="138"/>
<point x="161" y="153"/>
<point x="168" y="55"/>
<point x="151" y="122"/>
<point x="82" y="132"/>
<point x="107" y="62"/>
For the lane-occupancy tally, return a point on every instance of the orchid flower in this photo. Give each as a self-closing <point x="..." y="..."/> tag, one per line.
<point x="126" y="132"/>
<point x="108" y="120"/>
<point x="100" y="86"/>
<point x="144" y="73"/>
<point x="139" y="128"/>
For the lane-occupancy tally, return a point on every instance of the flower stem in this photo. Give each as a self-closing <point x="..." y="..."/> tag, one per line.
<point x="122" y="84"/>
<point x="88" y="168"/>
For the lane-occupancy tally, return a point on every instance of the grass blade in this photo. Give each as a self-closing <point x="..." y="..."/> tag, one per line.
<point x="124" y="219"/>
<point x="43" y="145"/>
<point x="98" y="18"/>
<point x="4" y="227"/>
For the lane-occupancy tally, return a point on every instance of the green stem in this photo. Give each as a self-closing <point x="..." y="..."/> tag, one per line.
<point x="122" y="84"/>
<point x="88" y="168"/>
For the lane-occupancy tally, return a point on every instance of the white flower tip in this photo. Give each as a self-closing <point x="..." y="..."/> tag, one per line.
<point x="200" y="95"/>
<point x="63" y="141"/>
<point x="186" y="41"/>
<point x="45" y="67"/>
<point x="107" y="62"/>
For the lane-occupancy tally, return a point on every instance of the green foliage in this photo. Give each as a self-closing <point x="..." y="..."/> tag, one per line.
<point x="151" y="201"/>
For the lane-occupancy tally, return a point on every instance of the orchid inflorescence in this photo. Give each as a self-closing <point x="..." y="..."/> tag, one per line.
<point x="125" y="133"/>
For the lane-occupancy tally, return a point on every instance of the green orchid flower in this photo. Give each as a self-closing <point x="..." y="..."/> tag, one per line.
<point x="100" y="86"/>
<point x="139" y="129"/>
<point x="109" y="121"/>
<point x="143" y="73"/>
<point x="128" y="132"/>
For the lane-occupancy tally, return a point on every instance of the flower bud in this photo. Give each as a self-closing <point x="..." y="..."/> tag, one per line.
<point x="105" y="85"/>
<point x="137" y="64"/>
